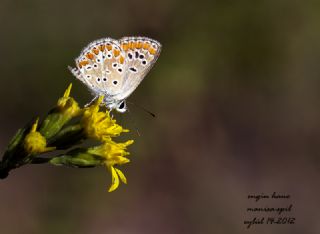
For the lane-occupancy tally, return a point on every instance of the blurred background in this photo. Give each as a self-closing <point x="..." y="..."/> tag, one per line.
<point x="236" y="94"/>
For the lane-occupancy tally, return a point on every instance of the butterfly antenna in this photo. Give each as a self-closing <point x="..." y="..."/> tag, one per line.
<point x="144" y="109"/>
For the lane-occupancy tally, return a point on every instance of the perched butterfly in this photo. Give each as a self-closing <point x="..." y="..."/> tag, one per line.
<point x="114" y="68"/>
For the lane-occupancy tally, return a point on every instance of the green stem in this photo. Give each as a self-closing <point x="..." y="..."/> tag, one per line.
<point x="40" y="160"/>
<point x="4" y="171"/>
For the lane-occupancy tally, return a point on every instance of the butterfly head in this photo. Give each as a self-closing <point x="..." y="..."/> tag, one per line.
<point x="120" y="106"/>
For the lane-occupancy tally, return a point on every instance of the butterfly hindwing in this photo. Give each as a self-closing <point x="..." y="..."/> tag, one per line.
<point x="101" y="67"/>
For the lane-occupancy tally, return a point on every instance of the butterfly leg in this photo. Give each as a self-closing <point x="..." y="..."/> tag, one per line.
<point x="111" y="115"/>
<point x="92" y="101"/>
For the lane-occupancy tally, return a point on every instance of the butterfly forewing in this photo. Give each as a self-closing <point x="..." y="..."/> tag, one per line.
<point x="140" y="55"/>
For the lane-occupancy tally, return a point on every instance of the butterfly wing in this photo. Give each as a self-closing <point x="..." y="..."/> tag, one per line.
<point x="140" y="55"/>
<point x="100" y="66"/>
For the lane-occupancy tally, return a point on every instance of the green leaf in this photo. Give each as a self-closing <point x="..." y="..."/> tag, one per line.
<point x="77" y="158"/>
<point x="53" y="123"/>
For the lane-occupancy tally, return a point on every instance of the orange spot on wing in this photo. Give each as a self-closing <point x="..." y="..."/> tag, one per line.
<point x="89" y="55"/>
<point x="109" y="47"/>
<point x="146" y="46"/>
<point x="134" y="45"/>
<point x="96" y="51"/>
<point x="139" y="45"/>
<point x="130" y="45"/>
<point x="152" y="50"/>
<point x="124" y="46"/>
<point x="83" y="63"/>
<point x="116" y="53"/>
<point x="121" y="60"/>
<point x="102" y="47"/>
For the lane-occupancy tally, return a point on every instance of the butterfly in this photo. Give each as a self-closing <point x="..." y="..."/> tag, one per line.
<point x="115" y="68"/>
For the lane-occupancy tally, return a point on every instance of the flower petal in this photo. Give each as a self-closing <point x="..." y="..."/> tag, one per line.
<point x="122" y="176"/>
<point x="115" y="180"/>
<point x="67" y="92"/>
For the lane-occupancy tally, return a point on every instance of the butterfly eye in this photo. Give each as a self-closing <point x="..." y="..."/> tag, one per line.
<point x="122" y="107"/>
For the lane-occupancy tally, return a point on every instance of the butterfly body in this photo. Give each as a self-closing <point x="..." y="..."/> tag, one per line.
<point x="115" y="68"/>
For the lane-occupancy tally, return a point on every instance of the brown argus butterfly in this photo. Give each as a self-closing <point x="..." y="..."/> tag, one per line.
<point x="114" y="68"/>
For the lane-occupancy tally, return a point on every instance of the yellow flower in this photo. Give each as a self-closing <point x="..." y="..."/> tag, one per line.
<point x="113" y="154"/>
<point x="66" y="109"/>
<point x="68" y="105"/>
<point x="99" y="125"/>
<point x="34" y="142"/>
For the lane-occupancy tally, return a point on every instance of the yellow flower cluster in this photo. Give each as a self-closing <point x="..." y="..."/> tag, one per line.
<point x="34" y="142"/>
<point x="100" y="126"/>
<point x="95" y="124"/>
<point x="114" y="154"/>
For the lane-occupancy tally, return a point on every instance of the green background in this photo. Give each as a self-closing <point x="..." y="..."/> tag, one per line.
<point x="236" y="94"/>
